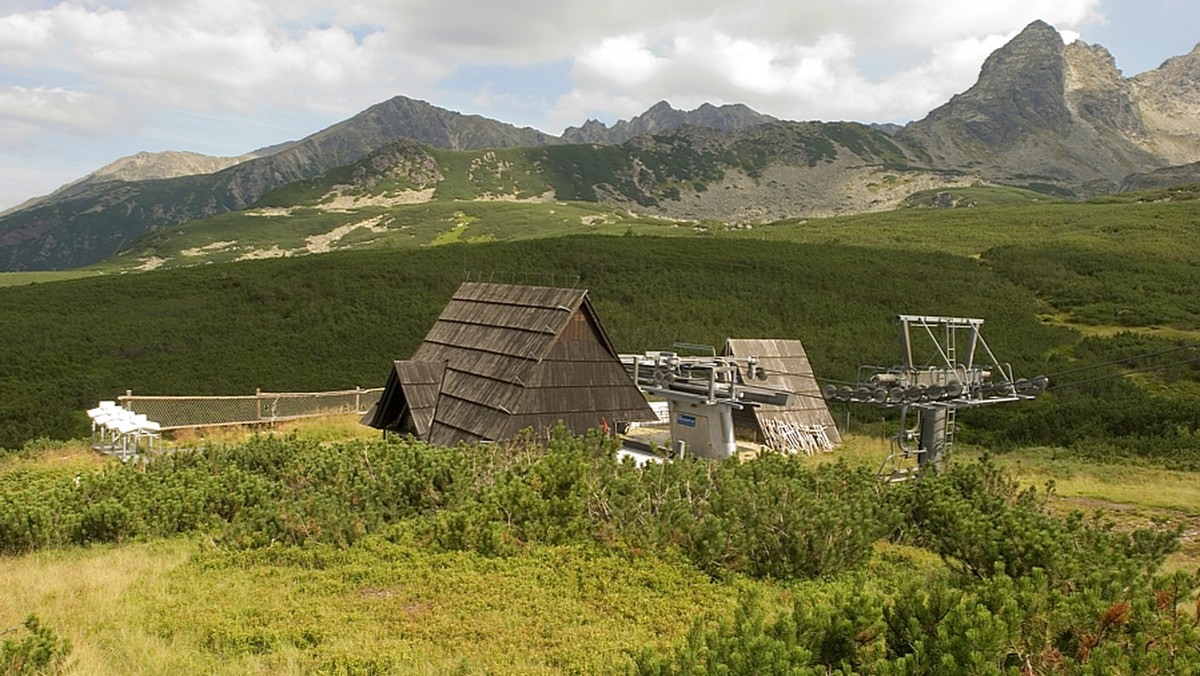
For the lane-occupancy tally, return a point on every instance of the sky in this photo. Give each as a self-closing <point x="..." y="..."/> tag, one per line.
<point x="85" y="82"/>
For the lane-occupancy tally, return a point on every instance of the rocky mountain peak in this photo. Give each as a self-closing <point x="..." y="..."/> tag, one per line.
<point x="1042" y="108"/>
<point x="1097" y="93"/>
<point x="1184" y="65"/>
<point x="1020" y="86"/>
<point x="1022" y="82"/>
<point x="1177" y="76"/>
<point x="663" y="117"/>
<point x="1169" y="102"/>
<point x="1038" y="38"/>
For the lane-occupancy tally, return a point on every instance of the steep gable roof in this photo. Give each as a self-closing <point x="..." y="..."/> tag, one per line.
<point x="524" y="356"/>
<point x="409" y="398"/>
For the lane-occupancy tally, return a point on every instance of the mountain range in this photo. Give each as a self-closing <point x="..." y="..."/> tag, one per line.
<point x="1056" y="118"/>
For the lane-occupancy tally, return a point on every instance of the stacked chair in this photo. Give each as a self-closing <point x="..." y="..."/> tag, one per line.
<point x="121" y="432"/>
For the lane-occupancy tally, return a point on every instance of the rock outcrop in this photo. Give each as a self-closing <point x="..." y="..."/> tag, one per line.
<point x="662" y="117"/>
<point x="1168" y="99"/>
<point x="1041" y="111"/>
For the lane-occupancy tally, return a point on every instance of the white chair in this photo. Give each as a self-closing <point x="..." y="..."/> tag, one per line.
<point x="151" y="432"/>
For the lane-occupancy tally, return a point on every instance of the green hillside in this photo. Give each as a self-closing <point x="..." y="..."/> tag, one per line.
<point x="406" y="194"/>
<point x="337" y="320"/>
<point x="1041" y="276"/>
<point x="258" y="234"/>
<point x="982" y="196"/>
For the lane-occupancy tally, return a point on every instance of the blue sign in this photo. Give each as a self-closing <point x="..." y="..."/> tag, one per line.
<point x="685" y="420"/>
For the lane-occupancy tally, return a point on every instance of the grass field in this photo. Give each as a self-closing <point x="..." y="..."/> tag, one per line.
<point x="183" y="606"/>
<point x="388" y="604"/>
<point x="23" y="278"/>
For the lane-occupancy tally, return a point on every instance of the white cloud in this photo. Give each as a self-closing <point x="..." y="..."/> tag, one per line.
<point x="198" y="54"/>
<point x="26" y="112"/>
<point x="244" y="55"/>
<point x="802" y="61"/>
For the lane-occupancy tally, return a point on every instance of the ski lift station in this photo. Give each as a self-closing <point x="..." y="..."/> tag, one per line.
<point x="503" y="358"/>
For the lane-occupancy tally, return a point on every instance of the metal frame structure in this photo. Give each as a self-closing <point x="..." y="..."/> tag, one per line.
<point x="702" y="393"/>
<point x="961" y="371"/>
<point x="121" y="432"/>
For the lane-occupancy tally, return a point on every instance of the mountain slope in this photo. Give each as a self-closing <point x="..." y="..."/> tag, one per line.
<point x="409" y="195"/>
<point x="94" y="221"/>
<point x="146" y="166"/>
<point x="1169" y="102"/>
<point x="1041" y="110"/>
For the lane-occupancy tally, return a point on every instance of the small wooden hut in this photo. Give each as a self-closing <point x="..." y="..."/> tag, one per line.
<point x="802" y="426"/>
<point x="409" y="398"/>
<point x="506" y="358"/>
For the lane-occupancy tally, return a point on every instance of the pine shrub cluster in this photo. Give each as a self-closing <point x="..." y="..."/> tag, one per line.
<point x="1023" y="590"/>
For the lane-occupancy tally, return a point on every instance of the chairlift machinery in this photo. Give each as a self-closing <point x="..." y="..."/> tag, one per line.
<point x="702" y="392"/>
<point x="961" y="372"/>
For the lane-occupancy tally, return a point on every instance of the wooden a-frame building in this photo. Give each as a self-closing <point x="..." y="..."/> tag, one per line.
<point x="502" y="358"/>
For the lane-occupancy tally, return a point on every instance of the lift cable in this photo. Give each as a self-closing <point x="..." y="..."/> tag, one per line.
<point x="1125" y="373"/>
<point x="1190" y="346"/>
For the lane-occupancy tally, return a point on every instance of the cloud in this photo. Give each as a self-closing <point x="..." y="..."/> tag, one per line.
<point x="803" y="61"/>
<point x="78" y="61"/>
<point x="26" y="113"/>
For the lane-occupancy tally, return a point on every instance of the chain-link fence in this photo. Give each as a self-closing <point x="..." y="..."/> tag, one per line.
<point x="262" y="407"/>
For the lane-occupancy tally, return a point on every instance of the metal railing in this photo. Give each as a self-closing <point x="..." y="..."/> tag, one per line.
<point x="174" y="413"/>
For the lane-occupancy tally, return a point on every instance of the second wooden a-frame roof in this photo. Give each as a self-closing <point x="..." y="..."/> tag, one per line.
<point x="787" y="367"/>
<point x="409" y="398"/>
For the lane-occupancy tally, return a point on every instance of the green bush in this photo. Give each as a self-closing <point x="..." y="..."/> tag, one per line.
<point x="39" y="651"/>
<point x="770" y="517"/>
<point x="980" y="522"/>
<point x="946" y="627"/>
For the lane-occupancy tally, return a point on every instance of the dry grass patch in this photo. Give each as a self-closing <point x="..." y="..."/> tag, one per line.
<point x="325" y="428"/>
<point x="183" y="606"/>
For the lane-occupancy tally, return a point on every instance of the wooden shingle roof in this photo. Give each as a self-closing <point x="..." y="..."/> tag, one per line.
<point x="409" y="398"/>
<point x="787" y="367"/>
<point x="524" y="356"/>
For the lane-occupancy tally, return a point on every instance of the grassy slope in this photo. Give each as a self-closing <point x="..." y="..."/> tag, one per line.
<point x="242" y="234"/>
<point x="1129" y="264"/>
<point x="975" y="196"/>
<point x="187" y="606"/>
<point x="179" y="606"/>
<point x="23" y="278"/>
<point x="335" y="321"/>
<point x="1160" y="229"/>
<point x="1157" y="225"/>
